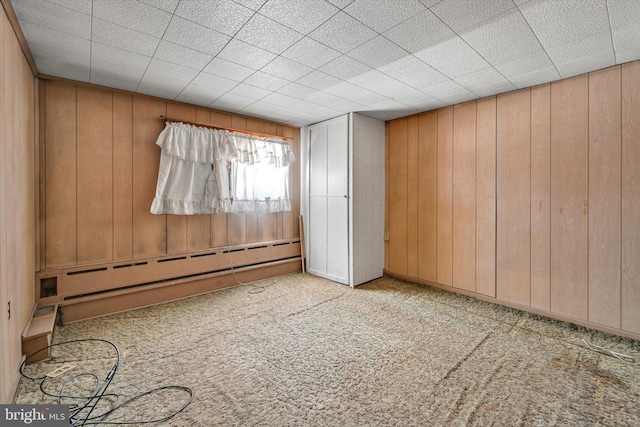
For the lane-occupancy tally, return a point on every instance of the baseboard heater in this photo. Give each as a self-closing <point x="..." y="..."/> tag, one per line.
<point x="99" y="289"/>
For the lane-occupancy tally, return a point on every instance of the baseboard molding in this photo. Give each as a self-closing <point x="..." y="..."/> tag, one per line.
<point x="528" y="309"/>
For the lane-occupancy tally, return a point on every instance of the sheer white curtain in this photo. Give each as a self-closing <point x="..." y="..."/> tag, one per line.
<point x="206" y="170"/>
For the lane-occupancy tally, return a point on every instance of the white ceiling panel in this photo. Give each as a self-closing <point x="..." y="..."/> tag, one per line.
<point x="503" y="39"/>
<point x="245" y="54"/>
<point x="123" y="38"/>
<point x="286" y="69"/>
<point x="383" y="15"/>
<point x="419" y="32"/>
<point x="55" y="17"/>
<point x="134" y="15"/>
<point x="230" y="70"/>
<point x="76" y="52"/>
<point x="343" y="33"/>
<point x="461" y="15"/>
<point x="171" y="52"/>
<point x="453" y="58"/>
<point x="198" y="95"/>
<point x="304" y="18"/>
<point x="310" y="53"/>
<point x="268" y="34"/>
<point x="300" y="62"/>
<point x="195" y="36"/>
<point x="210" y="14"/>
<point x="377" y="52"/>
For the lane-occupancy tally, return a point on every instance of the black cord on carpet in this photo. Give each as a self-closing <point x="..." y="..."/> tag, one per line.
<point x="84" y="408"/>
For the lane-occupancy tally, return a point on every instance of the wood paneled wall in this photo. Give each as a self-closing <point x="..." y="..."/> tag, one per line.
<point x="99" y="167"/>
<point x="529" y="198"/>
<point x="17" y="203"/>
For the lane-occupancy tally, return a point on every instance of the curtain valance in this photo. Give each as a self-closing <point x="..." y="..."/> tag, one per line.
<point x="203" y="171"/>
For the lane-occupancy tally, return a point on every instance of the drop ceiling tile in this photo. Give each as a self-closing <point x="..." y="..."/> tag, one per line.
<point x="380" y="83"/>
<point x="251" y="4"/>
<point x="198" y="95"/>
<point x="333" y="101"/>
<point x="453" y="58"/>
<point x="481" y="78"/>
<point x="310" y="53"/>
<point x="585" y="64"/>
<point x="224" y="16"/>
<point x="528" y="64"/>
<point x="286" y="69"/>
<point x="377" y="52"/>
<point x="106" y="75"/>
<point x="54" y="17"/>
<point x="340" y="4"/>
<point x="429" y="3"/>
<point x="583" y="55"/>
<point x="123" y="38"/>
<point x="355" y="93"/>
<point x="166" y="5"/>
<point x="250" y="92"/>
<point x="342" y="33"/>
<point x="181" y="55"/>
<point x="383" y="15"/>
<point x="214" y="82"/>
<point x="311" y="108"/>
<point x="416" y="98"/>
<point x="419" y="32"/>
<point x="245" y="54"/>
<point x="230" y="70"/>
<point x="507" y="37"/>
<point x="133" y="14"/>
<point x="195" y="36"/>
<point x="160" y="85"/>
<point x="625" y="29"/>
<point x="461" y="15"/>
<point x="303" y="16"/>
<point x="296" y="90"/>
<point x="260" y="109"/>
<point x="76" y="52"/>
<point x="446" y="90"/>
<point x="232" y="103"/>
<point x="535" y="77"/>
<point x="318" y="80"/>
<point x="267" y="34"/>
<point x="118" y="58"/>
<point x="494" y="88"/>
<point x="172" y="71"/>
<point x="265" y="81"/>
<point x="413" y="72"/>
<point x="345" y="68"/>
<point x="280" y="99"/>
<point x="558" y="23"/>
<point x="82" y="6"/>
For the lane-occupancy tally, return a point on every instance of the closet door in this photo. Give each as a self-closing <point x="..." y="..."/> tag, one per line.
<point x="328" y="218"/>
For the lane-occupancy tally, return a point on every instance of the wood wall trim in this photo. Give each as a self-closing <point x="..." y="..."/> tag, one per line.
<point x="13" y="19"/>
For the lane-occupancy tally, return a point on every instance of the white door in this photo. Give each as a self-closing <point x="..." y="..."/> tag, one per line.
<point x="328" y="217"/>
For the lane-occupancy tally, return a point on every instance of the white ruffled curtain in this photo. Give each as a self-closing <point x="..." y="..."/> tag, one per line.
<point x="203" y="171"/>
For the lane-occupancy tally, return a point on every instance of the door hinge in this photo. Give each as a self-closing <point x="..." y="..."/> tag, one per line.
<point x="9" y="309"/>
<point x="386" y="236"/>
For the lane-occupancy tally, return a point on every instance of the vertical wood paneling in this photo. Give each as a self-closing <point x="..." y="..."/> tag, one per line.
<point x="94" y="175"/>
<point x="605" y="105"/>
<point x="445" y="197"/>
<point x="122" y="176"/>
<point x="486" y="197"/>
<point x="464" y="196"/>
<point x="427" y="195"/>
<point x="413" y="132"/>
<point x="630" y="291"/>
<point x="149" y="231"/>
<point x="541" y="197"/>
<point x="569" y="193"/>
<point x="513" y="250"/>
<point x="398" y="195"/>
<point x="42" y="181"/>
<point x="60" y="175"/>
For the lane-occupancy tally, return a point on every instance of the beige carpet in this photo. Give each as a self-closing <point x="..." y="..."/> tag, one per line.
<point x="303" y="351"/>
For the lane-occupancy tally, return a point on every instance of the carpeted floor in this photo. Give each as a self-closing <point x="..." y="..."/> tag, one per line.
<point x="304" y="351"/>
